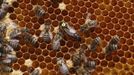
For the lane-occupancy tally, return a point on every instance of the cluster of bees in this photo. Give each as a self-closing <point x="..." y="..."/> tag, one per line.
<point x="81" y="65"/>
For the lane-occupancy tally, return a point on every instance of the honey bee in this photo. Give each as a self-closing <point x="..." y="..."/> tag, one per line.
<point x="114" y="40"/>
<point x="12" y="57"/>
<point x="6" y="69"/>
<point x="39" y="11"/>
<point x="14" y="43"/>
<point x="16" y="32"/>
<point x="46" y="34"/>
<point x="56" y="41"/>
<point x="8" y="49"/>
<point x="82" y="71"/>
<point x="90" y="65"/>
<point x="62" y="66"/>
<point x="64" y="26"/>
<point x="3" y="27"/>
<point x="6" y="61"/>
<point x="95" y="43"/>
<point x="88" y="24"/>
<point x="111" y="47"/>
<point x="1" y="1"/>
<point x="36" y="72"/>
<point x="30" y="38"/>
<point x="3" y="10"/>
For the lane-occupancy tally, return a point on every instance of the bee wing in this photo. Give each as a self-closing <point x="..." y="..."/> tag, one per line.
<point x="9" y="48"/>
<point x="14" y="43"/>
<point x="51" y="35"/>
<point x="41" y="34"/>
<point x="71" y="29"/>
<point x="35" y="72"/>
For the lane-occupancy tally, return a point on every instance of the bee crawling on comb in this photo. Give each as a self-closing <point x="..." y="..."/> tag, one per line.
<point x="88" y="24"/>
<point x="113" y="44"/>
<point x="46" y="33"/>
<point x="39" y="11"/>
<point x="64" y="26"/>
<point x="35" y="72"/>
<point x="62" y="66"/>
<point x="56" y="41"/>
<point x="94" y="44"/>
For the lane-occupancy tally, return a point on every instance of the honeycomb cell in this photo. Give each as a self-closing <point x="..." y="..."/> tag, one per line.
<point x="131" y="48"/>
<point x="74" y="2"/>
<point x="112" y="14"/>
<point x="131" y="29"/>
<point x="42" y="65"/>
<point x="105" y="31"/>
<point x="97" y="11"/>
<point x="33" y="57"/>
<point x="41" y="20"/>
<point x="112" y="32"/>
<point x="123" y="60"/>
<point x="26" y="1"/>
<point x="101" y="56"/>
<point x="94" y="55"/>
<point x="21" y="61"/>
<point x="35" y="64"/>
<point x="98" y="30"/>
<point x="22" y="5"/>
<point x="110" y="26"/>
<point x="83" y="9"/>
<point x="74" y="20"/>
<point x="109" y="7"/>
<point x="47" y="59"/>
<point x="69" y="7"/>
<point x="120" y="53"/>
<point x="44" y="72"/>
<point x="120" y="33"/>
<point x="123" y="9"/>
<point x="12" y="16"/>
<point x="127" y="54"/>
<point x="107" y="37"/>
<point x="99" y="69"/>
<point x="59" y="17"/>
<point x="127" y="35"/>
<point x="116" y="8"/>
<point x="55" y="23"/>
<point x="91" y="10"/>
<point x="102" y="6"/>
<point x="124" y="28"/>
<point x="16" y="66"/>
<point x="31" y="50"/>
<point x="88" y="4"/>
<point x="29" y="6"/>
<point x="52" y="53"/>
<point x="95" y="5"/>
<point x="27" y="18"/>
<point x="26" y="55"/>
<point x="81" y="3"/>
<point x="64" y="49"/>
<point x="111" y="64"/>
<point x="59" y="54"/>
<point x="108" y="58"/>
<point x="45" y="52"/>
<point x="81" y="21"/>
<point x="124" y="47"/>
<point x="120" y="3"/>
<point x="106" y="70"/>
<point x="107" y="19"/>
<point x="23" y="68"/>
<point x="66" y="1"/>
<point x="50" y="66"/>
<point x="67" y="56"/>
<point x="104" y="63"/>
<point x="119" y="15"/>
<point x="15" y="4"/>
<point x="102" y="24"/>
<point x="116" y="59"/>
<point x="19" y="54"/>
<point x="129" y="42"/>
<point x="100" y="18"/>
<point x="122" y="72"/>
<point x="118" y="65"/>
<point x="130" y="10"/>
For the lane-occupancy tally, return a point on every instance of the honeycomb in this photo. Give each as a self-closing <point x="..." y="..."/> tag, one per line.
<point x="114" y="17"/>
